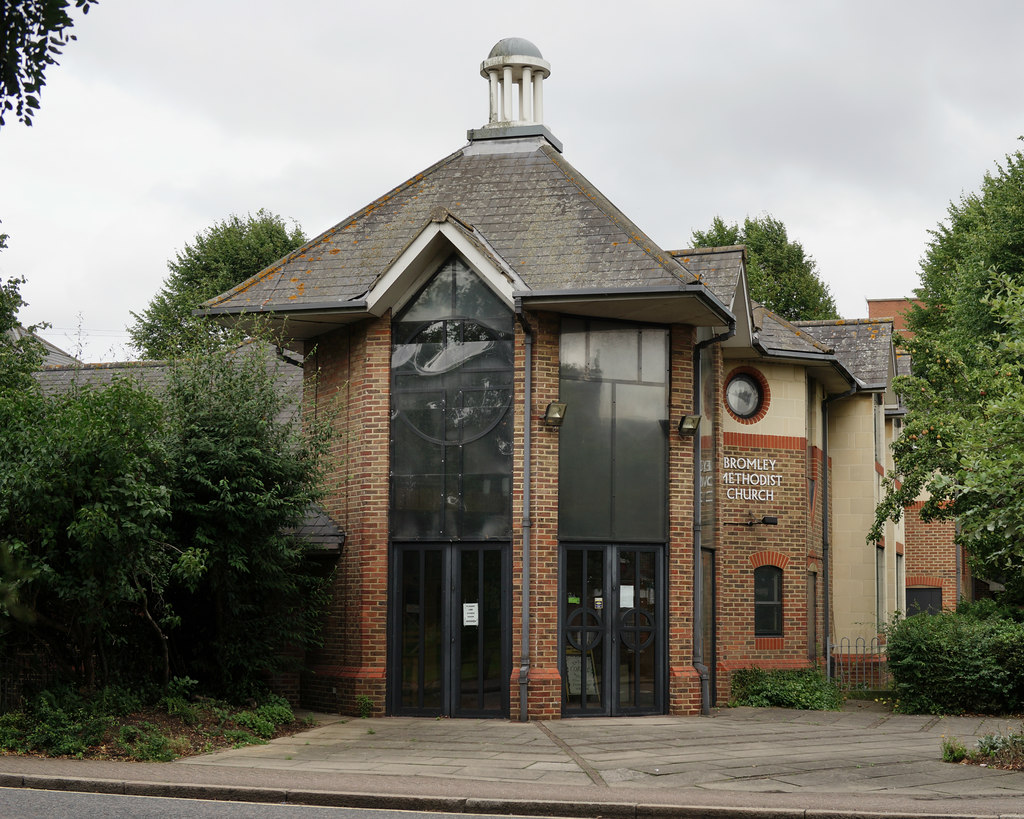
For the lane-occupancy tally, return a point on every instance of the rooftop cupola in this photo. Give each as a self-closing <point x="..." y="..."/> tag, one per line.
<point x="515" y="72"/>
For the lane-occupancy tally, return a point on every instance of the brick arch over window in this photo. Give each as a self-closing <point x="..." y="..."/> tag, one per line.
<point x="769" y="558"/>
<point x="923" y="580"/>
<point x="766" y="394"/>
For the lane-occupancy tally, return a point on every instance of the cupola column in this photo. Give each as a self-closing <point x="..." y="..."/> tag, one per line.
<point x="506" y="94"/>
<point x="538" y="98"/>
<point x="526" y="96"/>
<point x="495" y="116"/>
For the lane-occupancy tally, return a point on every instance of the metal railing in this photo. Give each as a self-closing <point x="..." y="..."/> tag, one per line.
<point x="860" y="663"/>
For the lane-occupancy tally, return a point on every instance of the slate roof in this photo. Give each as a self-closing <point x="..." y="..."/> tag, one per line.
<point x="60" y="378"/>
<point x="537" y="212"/>
<point x="718" y="268"/>
<point x="54" y="355"/>
<point x="863" y="345"/>
<point x="781" y="336"/>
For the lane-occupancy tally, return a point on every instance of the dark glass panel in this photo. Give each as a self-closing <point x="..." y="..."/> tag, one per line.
<point x="640" y="511"/>
<point x="768" y="601"/>
<point x="585" y="444"/>
<point x="422" y="601"/>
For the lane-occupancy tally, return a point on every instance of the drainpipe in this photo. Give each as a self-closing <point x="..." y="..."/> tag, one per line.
<point x="825" y="531"/>
<point x="524" y="658"/>
<point x="698" y="586"/>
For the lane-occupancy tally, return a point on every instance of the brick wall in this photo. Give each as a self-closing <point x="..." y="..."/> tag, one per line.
<point x="931" y="555"/>
<point x="765" y="475"/>
<point x="684" y="684"/>
<point x="348" y="377"/>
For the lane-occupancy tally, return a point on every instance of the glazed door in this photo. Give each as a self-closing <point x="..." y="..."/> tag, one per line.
<point x="450" y="641"/>
<point x="612" y="645"/>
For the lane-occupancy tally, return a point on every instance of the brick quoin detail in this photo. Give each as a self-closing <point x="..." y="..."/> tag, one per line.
<point x="768" y="558"/>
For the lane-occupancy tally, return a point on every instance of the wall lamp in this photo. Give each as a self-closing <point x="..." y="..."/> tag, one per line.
<point x="688" y="425"/>
<point x="766" y="520"/>
<point x="554" y="414"/>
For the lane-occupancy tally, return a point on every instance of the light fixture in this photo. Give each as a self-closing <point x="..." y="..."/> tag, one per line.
<point x="688" y="425"/>
<point x="554" y="414"/>
<point x="766" y="520"/>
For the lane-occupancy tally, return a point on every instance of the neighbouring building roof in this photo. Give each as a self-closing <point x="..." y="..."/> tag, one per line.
<point x="61" y="378"/>
<point x="54" y="355"/>
<point x="863" y="345"/>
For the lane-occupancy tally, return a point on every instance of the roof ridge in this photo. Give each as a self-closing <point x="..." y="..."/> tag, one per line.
<point x="842" y="322"/>
<point x="700" y="251"/>
<point x="623" y="222"/>
<point x="101" y="365"/>
<point x="345" y="223"/>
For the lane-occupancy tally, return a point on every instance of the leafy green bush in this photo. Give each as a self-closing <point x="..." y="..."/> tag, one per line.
<point x="805" y="689"/>
<point x="146" y="742"/>
<point x="264" y="719"/>
<point x="952" y="663"/>
<point x="58" y="722"/>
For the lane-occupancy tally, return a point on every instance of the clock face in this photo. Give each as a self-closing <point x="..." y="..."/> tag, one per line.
<point x="743" y="395"/>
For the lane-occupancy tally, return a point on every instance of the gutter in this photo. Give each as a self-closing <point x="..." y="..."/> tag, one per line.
<point x="698" y="586"/>
<point x="524" y="656"/>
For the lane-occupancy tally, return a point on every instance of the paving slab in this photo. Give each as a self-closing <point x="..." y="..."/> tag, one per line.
<point x="862" y="761"/>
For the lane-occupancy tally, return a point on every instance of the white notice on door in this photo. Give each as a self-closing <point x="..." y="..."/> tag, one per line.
<point x="470" y="614"/>
<point x="625" y="597"/>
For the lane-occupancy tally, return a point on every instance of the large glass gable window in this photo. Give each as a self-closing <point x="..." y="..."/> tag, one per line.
<point x="451" y="428"/>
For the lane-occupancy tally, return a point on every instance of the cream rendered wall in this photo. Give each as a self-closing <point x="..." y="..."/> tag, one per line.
<point x="856" y="488"/>
<point x="787" y="402"/>
<point x="895" y="533"/>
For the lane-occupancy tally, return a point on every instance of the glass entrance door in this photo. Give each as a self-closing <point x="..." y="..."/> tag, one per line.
<point x="450" y="643"/>
<point x="612" y="654"/>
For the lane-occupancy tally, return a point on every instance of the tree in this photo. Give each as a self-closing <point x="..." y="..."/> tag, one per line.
<point x="32" y="36"/>
<point x="219" y="258"/>
<point x="780" y="275"/>
<point x="242" y="472"/>
<point x="961" y="442"/>
<point x="82" y="509"/>
<point x="21" y="353"/>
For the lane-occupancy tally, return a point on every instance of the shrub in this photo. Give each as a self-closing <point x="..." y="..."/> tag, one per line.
<point x="953" y="750"/>
<point x="264" y="719"/>
<point x="951" y="663"/>
<point x="58" y="722"/>
<point x="145" y="742"/>
<point x="805" y="689"/>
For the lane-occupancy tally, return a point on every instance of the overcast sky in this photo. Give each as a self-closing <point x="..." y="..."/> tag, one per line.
<point x="855" y="123"/>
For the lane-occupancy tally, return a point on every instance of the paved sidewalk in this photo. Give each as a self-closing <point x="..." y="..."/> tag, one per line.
<point x="862" y="761"/>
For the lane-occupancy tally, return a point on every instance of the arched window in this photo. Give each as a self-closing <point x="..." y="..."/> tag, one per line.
<point x="767" y="601"/>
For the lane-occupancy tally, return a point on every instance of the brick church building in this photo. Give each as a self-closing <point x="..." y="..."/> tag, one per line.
<point x="578" y="474"/>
